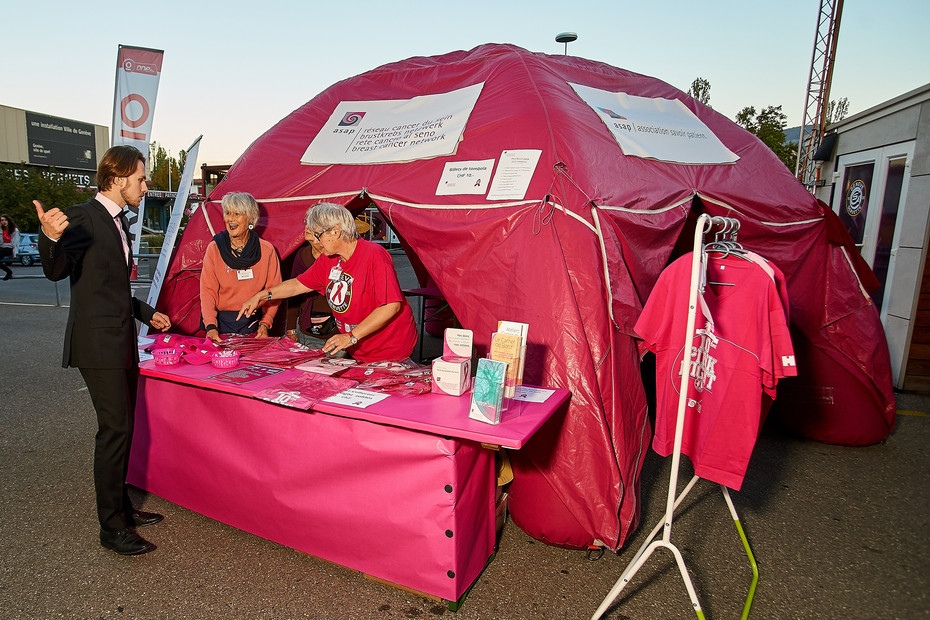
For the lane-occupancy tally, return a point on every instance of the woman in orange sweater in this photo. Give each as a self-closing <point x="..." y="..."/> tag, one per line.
<point x="236" y="265"/>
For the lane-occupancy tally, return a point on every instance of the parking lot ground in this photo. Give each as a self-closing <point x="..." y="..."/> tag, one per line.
<point x="837" y="532"/>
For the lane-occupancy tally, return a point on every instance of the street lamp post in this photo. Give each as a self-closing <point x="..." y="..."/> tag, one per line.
<point x="566" y="38"/>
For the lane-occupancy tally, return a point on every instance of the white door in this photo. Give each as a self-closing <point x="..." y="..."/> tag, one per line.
<point x="869" y="191"/>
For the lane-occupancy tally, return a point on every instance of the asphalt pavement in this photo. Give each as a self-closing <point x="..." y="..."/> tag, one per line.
<point x="837" y="532"/>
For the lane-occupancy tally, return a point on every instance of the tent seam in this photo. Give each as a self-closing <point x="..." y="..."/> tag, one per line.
<point x="646" y="211"/>
<point x="301" y="198"/>
<point x="606" y="271"/>
<point x="542" y="103"/>
<point x="862" y="290"/>
<point x="735" y="210"/>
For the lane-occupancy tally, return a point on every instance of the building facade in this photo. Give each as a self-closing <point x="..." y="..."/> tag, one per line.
<point x="33" y="141"/>
<point x="875" y="175"/>
<point x="30" y="140"/>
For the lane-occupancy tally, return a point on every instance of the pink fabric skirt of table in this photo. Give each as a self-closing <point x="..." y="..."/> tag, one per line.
<point x="406" y="506"/>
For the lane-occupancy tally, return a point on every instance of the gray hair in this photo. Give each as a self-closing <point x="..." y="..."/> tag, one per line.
<point x="324" y="215"/>
<point x="241" y="202"/>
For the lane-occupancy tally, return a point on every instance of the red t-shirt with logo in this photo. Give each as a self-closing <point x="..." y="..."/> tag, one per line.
<point x="742" y="352"/>
<point x="367" y="281"/>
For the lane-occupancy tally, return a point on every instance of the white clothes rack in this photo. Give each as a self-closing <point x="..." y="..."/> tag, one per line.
<point x="705" y="224"/>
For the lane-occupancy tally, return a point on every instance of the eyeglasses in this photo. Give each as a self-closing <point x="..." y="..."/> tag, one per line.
<point x="319" y="234"/>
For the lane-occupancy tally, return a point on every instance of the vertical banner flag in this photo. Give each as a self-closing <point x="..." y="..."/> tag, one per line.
<point x="138" y="70"/>
<point x="174" y="222"/>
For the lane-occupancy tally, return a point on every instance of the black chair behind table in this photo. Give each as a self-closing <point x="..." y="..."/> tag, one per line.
<point x="440" y="311"/>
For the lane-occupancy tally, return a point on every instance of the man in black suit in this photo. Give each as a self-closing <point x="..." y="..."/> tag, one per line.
<point x="89" y="244"/>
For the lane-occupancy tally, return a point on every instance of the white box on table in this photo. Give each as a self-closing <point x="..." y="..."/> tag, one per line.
<point x="451" y="375"/>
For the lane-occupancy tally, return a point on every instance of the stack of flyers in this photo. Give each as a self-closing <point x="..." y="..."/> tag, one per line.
<point x="487" y="397"/>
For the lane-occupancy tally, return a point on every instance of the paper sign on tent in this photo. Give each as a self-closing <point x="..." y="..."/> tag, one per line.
<point x="514" y="173"/>
<point x="465" y="177"/>
<point x="656" y="128"/>
<point x="397" y="130"/>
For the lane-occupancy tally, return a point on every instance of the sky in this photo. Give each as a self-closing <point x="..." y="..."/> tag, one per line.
<point x="233" y="69"/>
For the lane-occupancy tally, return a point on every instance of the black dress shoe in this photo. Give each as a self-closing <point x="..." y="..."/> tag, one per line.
<point x="141" y="519"/>
<point x="125" y="542"/>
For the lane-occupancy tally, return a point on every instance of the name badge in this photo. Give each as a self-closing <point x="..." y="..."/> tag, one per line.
<point x="244" y="274"/>
<point x="335" y="273"/>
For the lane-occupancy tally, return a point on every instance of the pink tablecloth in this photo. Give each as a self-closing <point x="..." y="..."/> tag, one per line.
<point x="402" y="490"/>
<point x="434" y="413"/>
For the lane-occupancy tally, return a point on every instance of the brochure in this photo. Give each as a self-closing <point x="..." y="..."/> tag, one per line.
<point x="521" y="330"/>
<point x="457" y="342"/>
<point x="506" y="348"/>
<point x="487" y="397"/>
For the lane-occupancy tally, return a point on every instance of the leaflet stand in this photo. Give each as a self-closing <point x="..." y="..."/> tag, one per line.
<point x="704" y="224"/>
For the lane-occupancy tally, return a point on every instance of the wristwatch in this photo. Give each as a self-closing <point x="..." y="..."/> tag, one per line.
<point x="352" y="339"/>
<point x="268" y="298"/>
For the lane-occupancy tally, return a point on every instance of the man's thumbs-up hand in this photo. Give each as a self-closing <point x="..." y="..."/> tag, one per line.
<point x="54" y="221"/>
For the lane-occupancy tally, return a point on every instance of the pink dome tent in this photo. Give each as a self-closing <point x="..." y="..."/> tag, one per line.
<point x="575" y="254"/>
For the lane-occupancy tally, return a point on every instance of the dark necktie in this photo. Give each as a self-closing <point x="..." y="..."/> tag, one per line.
<point x="118" y="218"/>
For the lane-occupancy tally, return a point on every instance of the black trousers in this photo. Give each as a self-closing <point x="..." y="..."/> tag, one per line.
<point x="113" y="392"/>
<point x="5" y="252"/>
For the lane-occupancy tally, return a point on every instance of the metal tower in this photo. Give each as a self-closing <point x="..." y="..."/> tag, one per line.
<point x="817" y="99"/>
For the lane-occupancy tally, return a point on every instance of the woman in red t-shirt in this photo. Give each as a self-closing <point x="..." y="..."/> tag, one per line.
<point x="309" y="318"/>
<point x="357" y="278"/>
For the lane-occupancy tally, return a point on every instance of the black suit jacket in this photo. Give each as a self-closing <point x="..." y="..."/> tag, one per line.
<point x="101" y="330"/>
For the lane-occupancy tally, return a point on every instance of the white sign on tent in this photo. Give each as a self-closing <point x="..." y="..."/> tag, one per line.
<point x="378" y="132"/>
<point x="465" y="177"/>
<point x="663" y="129"/>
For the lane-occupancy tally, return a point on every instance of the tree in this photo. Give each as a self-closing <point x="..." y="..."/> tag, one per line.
<point x="20" y="185"/>
<point x="700" y="90"/>
<point x="162" y="167"/>
<point x="769" y="126"/>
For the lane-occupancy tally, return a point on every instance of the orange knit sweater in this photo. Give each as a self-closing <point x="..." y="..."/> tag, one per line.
<point x="221" y="288"/>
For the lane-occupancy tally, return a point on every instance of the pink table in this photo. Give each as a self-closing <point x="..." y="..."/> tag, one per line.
<point x="402" y="490"/>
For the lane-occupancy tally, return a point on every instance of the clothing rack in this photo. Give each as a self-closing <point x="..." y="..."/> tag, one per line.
<point x="705" y="224"/>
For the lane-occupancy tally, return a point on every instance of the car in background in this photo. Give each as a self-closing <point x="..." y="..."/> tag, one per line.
<point x="28" y="252"/>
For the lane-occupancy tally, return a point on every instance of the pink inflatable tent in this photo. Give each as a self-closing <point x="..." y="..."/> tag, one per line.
<point x="517" y="186"/>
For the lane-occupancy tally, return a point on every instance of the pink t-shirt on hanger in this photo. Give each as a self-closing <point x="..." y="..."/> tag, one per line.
<point x="734" y="358"/>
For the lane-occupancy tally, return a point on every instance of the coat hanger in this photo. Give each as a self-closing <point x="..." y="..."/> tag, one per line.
<point x="725" y="244"/>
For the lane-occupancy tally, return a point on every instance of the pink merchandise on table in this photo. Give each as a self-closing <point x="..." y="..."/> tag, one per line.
<point x="304" y="391"/>
<point x="326" y="365"/>
<point x="246" y="374"/>
<point x="225" y="359"/>
<point x="162" y="341"/>
<point x="400" y="379"/>
<point x="193" y="350"/>
<point x="413" y="387"/>
<point x="282" y="352"/>
<point x="167" y="356"/>
<point x="243" y="343"/>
